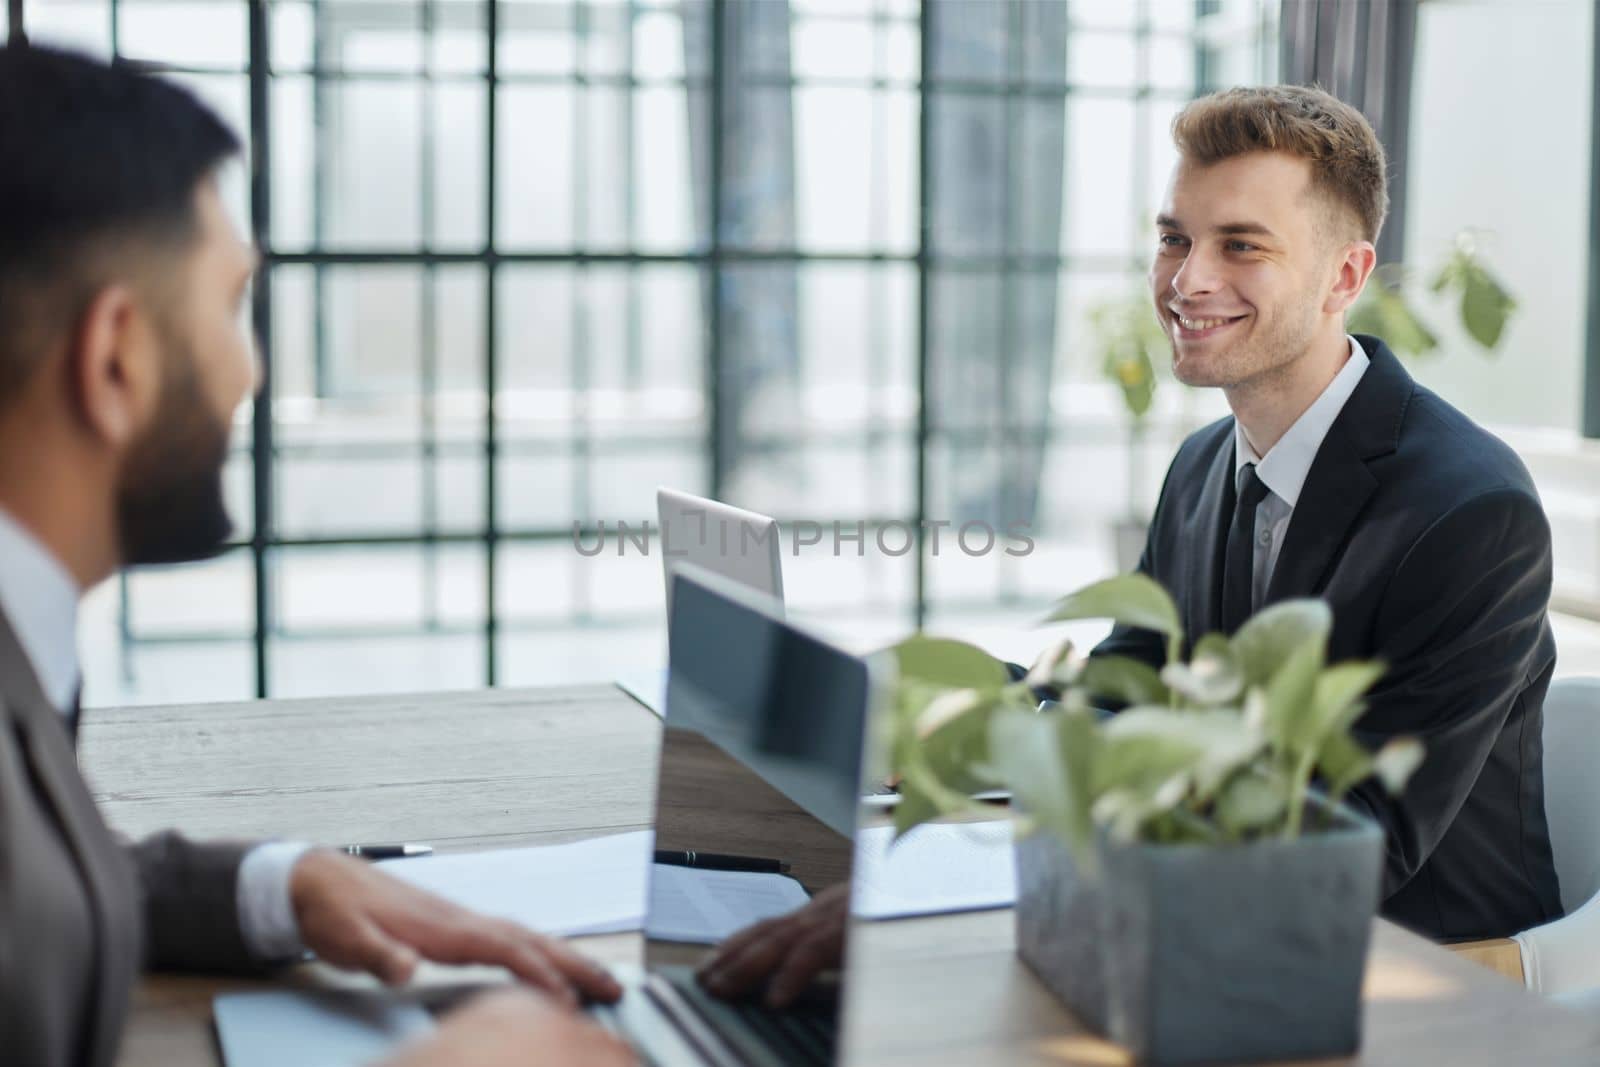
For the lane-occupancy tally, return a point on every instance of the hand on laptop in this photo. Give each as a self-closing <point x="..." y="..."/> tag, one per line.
<point x="512" y="1028"/>
<point x="354" y="915"/>
<point x="786" y="953"/>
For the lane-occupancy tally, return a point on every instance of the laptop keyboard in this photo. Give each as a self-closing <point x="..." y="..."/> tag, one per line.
<point x="796" y="1036"/>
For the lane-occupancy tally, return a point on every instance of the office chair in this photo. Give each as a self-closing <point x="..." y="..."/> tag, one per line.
<point x="1562" y="958"/>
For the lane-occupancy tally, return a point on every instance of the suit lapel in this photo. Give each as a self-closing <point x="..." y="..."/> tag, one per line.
<point x="109" y="883"/>
<point x="1336" y="489"/>
<point x="1207" y="530"/>
<point x="1340" y="481"/>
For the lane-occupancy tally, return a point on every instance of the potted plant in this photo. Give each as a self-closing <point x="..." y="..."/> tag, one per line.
<point x="1129" y="341"/>
<point x="1190" y="883"/>
<point x="1485" y="307"/>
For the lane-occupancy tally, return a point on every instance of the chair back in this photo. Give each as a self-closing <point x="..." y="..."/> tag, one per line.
<point x="1572" y="786"/>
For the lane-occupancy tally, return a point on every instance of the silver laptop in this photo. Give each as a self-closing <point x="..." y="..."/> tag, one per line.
<point x="742" y="546"/>
<point x="760" y="767"/>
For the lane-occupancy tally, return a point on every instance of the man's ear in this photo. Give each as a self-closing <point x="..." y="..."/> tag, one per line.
<point x="114" y="366"/>
<point x="1354" y="268"/>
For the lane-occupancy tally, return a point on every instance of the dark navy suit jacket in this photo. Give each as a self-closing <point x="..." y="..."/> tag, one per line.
<point x="1424" y="534"/>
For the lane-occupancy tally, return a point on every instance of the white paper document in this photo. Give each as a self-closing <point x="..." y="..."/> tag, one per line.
<point x="704" y="907"/>
<point x="586" y="887"/>
<point x="648" y="686"/>
<point x="937" y="867"/>
<point x="312" y="1029"/>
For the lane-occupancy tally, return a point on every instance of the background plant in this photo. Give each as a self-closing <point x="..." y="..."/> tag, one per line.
<point x="1222" y="748"/>
<point x="1130" y="342"/>
<point x="1484" y="305"/>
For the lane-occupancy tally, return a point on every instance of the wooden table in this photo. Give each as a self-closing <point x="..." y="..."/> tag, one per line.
<point x="509" y="767"/>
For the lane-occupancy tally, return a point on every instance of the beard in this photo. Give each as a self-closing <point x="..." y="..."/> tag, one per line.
<point x="170" y="505"/>
<point x="1274" y="343"/>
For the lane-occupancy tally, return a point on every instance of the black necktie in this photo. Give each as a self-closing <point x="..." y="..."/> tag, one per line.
<point x="1238" y="566"/>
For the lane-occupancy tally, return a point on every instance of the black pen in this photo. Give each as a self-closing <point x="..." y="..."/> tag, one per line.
<point x="720" y="861"/>
<point x="386" y="852"/>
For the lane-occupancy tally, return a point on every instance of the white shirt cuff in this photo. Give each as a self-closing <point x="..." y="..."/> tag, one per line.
<point x="266" y="914"/>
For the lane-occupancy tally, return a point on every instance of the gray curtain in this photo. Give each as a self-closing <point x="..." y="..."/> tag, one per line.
<point x="759" y="318"/>
<point x="1362" y="52"/>
<point x="995" y="199"/>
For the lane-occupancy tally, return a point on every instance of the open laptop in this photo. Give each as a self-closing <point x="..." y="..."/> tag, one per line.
<point x="761" y="758"/>
<point x="741" y="546"/>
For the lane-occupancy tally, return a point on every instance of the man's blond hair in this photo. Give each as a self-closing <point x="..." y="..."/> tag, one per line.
<point x="1346" y="157"/>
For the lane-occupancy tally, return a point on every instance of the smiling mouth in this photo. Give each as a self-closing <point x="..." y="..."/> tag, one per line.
<point x="1202" y="327"/>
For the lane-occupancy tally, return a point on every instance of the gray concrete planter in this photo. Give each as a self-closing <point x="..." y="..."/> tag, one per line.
<point x="1186" y="954"/>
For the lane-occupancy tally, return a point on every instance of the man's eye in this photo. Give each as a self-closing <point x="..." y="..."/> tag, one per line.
<point x="1241" y="246"/>
<point x="1170" y="240"/>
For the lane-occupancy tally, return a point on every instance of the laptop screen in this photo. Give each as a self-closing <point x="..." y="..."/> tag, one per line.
<point x="756" y="806"/>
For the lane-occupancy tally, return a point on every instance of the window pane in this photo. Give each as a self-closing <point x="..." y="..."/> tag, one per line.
<point x="213" y="596"/>
<point x="1103" y="60"/>
<point x="536" y="37"/>
<point x="371" y="37"/>
<point x="1172" y="63"/>
<point x="663" y="191"/>
<point x="535" y="341"/>
<point x="460" y="184"/>
<point x="534" y="196"/>
<point x="1100" y="213"/>
<point x="658" y="45"/>
<point x="293" y="35"/>
<point x="833" y="48"/>
<point x="372" y="155"/>
<point x="834" y="149"/>
<point x="83" y="25"/>
<point x="202" y="33"/>
<point x="294" y="173"/>
<point x="602" y="188"/>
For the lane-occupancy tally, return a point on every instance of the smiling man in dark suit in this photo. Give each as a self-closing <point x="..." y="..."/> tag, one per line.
<point x="1340" y="477"/>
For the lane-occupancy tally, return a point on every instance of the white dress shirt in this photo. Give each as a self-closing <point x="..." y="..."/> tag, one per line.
<point x="1284" y="468"/>
<point x="40" y="598"/>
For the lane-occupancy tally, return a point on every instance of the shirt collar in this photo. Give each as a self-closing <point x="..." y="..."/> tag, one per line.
<point x="40" y="599"/>
<point x="1284" y="468"/>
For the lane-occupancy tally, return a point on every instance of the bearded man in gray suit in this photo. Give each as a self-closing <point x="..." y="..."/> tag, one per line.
<point x="122" y="360"/>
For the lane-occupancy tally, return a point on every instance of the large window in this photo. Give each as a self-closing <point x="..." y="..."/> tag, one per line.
<point x="526" y="260"/>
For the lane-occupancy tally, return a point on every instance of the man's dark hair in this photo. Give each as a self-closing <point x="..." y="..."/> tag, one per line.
<point x="96" y="162"/>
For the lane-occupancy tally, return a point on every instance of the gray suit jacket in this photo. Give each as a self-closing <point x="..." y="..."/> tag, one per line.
<point x="80" y="912"/>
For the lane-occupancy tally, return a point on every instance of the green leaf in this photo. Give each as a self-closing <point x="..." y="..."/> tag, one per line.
<point x="1129" y="599"/>
<point x="1123" y="679"/>
<point x="1402" y="328"/>
<point x="1250" y="803"/>
<point x="1046" y="759"/>
<point x="1264" y="642"/>
<point x="1338" y="697"/>
<point x="1208" y="745"/>
<point x="1291" y="699"/>
<point x="1342" y="763"/>
<point x="954" y="664"/>
<point x="1383" y="310"/>
<point x="1485" y="307"/>
<point x="914" y="808"/>
<point x="954" y="748"/>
